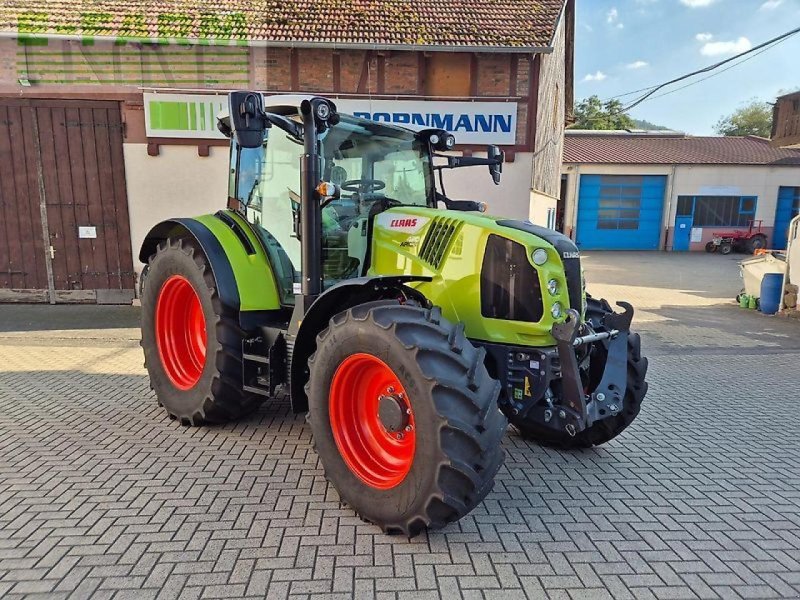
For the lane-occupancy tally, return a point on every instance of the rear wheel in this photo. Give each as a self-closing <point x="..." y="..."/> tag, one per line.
<point x="404" y="416"/>
<point x="757" y="242"/>
<point x="606" y="429"/>
<point x="192" y="348"/>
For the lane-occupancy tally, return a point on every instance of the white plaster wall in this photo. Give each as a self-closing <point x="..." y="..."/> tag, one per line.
<point x="542" y="207"/>
<point x="509" y="199"/>
<point x="759" y="181"/>
<point x="176" y="183"/>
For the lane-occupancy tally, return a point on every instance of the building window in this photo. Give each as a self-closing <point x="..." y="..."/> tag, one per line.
<point x="620" y="202"/>
<point x="718" y="211"/>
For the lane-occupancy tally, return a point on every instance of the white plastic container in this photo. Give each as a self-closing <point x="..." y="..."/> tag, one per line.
<point x="754" y="268"/>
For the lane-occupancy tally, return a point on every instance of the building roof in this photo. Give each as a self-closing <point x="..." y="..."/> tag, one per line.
<point x="673" y="149"/>
<point x="790" y="95"/>
<point x="430" y="24"/>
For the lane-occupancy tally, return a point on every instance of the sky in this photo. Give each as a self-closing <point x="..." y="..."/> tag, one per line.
<point x="625" y="45"/>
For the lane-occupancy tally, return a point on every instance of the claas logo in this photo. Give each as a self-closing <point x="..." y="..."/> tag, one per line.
<point x="400" y="223"/>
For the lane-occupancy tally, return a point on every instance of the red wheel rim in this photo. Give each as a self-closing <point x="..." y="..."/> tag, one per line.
<point x="180" y="332"/>
<point x="378" y="457"/>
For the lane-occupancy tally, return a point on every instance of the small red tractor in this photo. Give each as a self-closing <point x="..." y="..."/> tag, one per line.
<point x="741" y="241"/>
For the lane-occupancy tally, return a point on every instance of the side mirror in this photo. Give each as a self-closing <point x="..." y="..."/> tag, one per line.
<point x="247" y="120"/>
<point x="497" y="157"/>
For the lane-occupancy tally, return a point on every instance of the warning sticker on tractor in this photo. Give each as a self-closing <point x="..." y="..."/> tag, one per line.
<point x="400" y="222"/>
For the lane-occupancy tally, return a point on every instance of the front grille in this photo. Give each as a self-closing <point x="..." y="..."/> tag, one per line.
<point x="510" y="288"/>
<point x="437" y="240"/>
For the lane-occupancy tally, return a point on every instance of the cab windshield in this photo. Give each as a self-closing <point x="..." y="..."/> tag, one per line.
<point x="372" y="162"/>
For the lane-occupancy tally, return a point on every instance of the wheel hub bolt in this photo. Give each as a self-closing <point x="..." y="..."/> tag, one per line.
<point x="562" y="414"/>
<point x="601" y="396"/>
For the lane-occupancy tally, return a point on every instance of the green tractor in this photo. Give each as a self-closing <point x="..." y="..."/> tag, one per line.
<point x="411" y="328"/>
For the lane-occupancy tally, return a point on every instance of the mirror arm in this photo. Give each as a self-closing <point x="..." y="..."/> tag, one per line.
<point x="287" y="125"/>
<point x="456" y="162"/>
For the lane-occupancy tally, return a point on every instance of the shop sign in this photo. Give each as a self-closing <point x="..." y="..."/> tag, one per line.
<point x="195" y="116"/>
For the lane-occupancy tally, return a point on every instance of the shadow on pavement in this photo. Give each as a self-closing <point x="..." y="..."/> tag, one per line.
<point x="45" y="317"/>
<point x="718" y="329"/>
<point x="699" y="274"/>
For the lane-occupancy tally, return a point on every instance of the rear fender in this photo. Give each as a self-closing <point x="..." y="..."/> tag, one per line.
<point x="339" y="298"/>
<point x="242" y="272"/>
<point x="221" y="269"/>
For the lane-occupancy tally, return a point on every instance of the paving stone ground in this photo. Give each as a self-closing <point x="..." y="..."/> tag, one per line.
<point x="102" y="496"/>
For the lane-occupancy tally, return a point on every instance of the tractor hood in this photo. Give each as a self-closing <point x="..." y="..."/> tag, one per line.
<point x="507" y="280"/>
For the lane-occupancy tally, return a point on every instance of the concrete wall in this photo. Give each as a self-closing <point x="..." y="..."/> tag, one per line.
<point x="694" y="180"/>
<point x="176" y="183"/>
<point x="509" y="199"/>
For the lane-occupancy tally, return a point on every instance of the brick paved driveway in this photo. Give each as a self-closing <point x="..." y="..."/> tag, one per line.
<point x="101" y="495"/>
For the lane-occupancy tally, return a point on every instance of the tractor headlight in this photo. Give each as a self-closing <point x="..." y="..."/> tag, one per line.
<point x="557" y="310"/>
<point x="539" y="256"/>
<point x="552" y="287"/>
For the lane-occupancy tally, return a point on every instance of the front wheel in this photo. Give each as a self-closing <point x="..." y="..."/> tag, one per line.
<point x="404" y="416"/>
<point x="711" y="247"/>
<point x="725" y="248"/>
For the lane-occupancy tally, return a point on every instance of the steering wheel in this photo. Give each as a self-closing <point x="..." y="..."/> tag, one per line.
<point x="365" y="186"/>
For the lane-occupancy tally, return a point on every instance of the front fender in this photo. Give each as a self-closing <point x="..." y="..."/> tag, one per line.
<point x="342" y="296"/>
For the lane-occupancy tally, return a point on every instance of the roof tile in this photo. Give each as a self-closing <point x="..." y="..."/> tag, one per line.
<point x="638" y="149"/>
<point x="468" y="23"/>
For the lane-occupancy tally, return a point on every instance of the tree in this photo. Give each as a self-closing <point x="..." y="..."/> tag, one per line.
<point x="593" y="113"/>
<point x="648" y="126"/>
<point x="752" y="118"/>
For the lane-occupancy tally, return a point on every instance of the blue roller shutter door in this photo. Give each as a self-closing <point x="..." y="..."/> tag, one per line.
<point x="788" y="208"/>
<point x="620" y="212"/>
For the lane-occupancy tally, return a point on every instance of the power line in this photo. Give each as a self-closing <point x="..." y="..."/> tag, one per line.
<point x="683" y="87"/>
<point x="773" y="42"/>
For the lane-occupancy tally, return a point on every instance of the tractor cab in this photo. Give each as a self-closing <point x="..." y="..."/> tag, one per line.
<point x="368" y="168"/>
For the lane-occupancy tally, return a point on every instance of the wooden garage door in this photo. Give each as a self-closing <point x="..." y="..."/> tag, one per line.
<point x="63" y="207"/>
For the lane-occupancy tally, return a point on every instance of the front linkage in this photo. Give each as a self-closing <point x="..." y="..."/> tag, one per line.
<point x="552" y="389"/>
